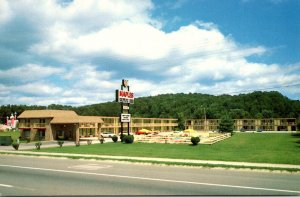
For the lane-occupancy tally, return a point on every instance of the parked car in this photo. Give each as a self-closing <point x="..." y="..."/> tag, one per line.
<point x="107" y="134"/>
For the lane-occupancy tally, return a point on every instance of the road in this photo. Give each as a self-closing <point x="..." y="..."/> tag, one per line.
<point x="20" y="175"/>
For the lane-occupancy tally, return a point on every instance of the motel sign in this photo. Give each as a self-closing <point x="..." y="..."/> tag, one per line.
<point x="125" y="96"/>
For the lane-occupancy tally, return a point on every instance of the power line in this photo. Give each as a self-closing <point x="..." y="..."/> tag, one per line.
<point x="262" y="89"/>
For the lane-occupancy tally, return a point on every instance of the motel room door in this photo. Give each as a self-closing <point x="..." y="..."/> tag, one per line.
<point x="41" y="134"/>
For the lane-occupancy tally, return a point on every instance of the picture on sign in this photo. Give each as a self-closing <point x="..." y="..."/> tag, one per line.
<point x="125" y="83"/>
<point x="125" y="117"/>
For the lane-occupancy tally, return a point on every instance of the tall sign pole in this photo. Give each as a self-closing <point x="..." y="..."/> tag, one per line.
<point x="125" y="98"/>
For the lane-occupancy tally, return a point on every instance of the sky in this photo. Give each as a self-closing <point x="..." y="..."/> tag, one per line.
<point x="77" y="52"/>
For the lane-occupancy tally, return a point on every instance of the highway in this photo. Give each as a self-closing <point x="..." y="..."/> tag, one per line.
<point x="21" y="175"/>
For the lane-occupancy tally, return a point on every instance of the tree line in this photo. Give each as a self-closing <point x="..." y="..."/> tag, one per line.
<point x="186" y="106"/>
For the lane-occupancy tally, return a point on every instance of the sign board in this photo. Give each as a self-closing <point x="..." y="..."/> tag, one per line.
<point x="125" y="117"/>
<point x="124" y="96"/>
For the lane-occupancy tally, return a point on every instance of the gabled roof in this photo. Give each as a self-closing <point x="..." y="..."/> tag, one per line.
<point x="47" y="113"/>
<point x="60" y="116"/>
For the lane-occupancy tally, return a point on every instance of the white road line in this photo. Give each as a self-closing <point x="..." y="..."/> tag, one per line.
<point x="90" y="167"/>
<point x="3" y="185"/>
<point x="154" y="179"/>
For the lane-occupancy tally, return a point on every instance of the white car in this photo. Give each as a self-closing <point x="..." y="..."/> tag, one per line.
<point x="107" y="134"/>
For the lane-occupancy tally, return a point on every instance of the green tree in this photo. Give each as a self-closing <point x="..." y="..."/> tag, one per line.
<point x="226" y="124"/>
<point x="181" y="121"/>
<point x="298" y="123"/>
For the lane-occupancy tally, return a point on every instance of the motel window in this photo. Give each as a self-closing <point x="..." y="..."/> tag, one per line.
<point x="26" y="133"/>
<point x="87" y="131"/>
<point x="61" y="133"/>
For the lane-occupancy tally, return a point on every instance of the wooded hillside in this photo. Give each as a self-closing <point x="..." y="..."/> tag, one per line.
<point x="185" y="106"/>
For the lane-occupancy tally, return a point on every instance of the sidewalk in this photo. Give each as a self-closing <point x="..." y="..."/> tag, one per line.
<point x="48" y="144"/>
<point x="148" y="159"/>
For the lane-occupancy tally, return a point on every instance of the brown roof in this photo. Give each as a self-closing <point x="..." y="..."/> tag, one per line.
<point x="77" y="119"/>
<point x="83" y="119"/>
<point x="47" y="113"/>
<point x="60" y="116"/>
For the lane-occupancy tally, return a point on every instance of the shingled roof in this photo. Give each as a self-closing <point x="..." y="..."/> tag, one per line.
<point x="47" y="113"/>
<point x="60" y="116"/>
<point x="78" y="119"/>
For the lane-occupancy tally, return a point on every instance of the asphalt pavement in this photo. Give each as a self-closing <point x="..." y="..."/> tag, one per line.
<point x="25" y="176"/>
<point x="27" y="147"/>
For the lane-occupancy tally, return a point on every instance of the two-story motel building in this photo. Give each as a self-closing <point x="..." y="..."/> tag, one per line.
<point x="270" y="124"/>
<point x="65" y="124"/>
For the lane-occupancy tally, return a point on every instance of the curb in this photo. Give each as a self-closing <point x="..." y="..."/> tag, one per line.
<point x="162" y="160"/>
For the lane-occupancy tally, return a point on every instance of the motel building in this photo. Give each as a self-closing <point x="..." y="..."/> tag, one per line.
<point x="270" y="124"/>
<point x="51" y="125"/>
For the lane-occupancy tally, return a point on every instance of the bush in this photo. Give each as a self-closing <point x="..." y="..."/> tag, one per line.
<point x="16" y="145"/>
<point x="60" y="143"/>
<point x="101" y="140"/>
<point x="27" y="139"/>
<point x="114" y="138"/>
<point x="195" y="140"/>
<point x="242" y="129"/>
<point x="128" y="139"/>
<point x="77" y="143"/>
<point x="259" y="130"/>
<point x="122" y="137"/>
<point x="38" y="145"/>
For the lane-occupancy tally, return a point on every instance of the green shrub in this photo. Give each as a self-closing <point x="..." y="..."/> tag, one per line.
<point x="38" y="145"/>
<point x="259" y="130"/>
<point x="16" y="145"/>
<point x="128" y="139"/>
<point x="27" y="139"/>
<point x="122" y="137"/>
<point x="195" y="140"/>
<point x="114" y="138"/>
<point x="60" y="143"/>
<point x="101" y="140"/>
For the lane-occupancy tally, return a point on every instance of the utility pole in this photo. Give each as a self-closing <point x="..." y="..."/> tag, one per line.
<point x="204" y="110"/>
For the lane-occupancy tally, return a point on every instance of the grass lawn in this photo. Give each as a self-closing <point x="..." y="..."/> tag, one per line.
<point x="242" y="147"/>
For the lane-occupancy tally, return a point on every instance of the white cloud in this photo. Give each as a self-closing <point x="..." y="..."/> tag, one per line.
<point x="39" y="88"/>
<point x="5" y="12"/>
<point x="194" y="58"/>
<point x="29" y="72"/>
<point x="87" y="77"/>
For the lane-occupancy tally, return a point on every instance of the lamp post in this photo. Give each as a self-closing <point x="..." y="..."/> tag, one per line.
<point x="204" y="117"/>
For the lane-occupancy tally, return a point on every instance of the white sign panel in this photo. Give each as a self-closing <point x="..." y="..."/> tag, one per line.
<point x="124" y="96"/>
<point x="125" y="117"/>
